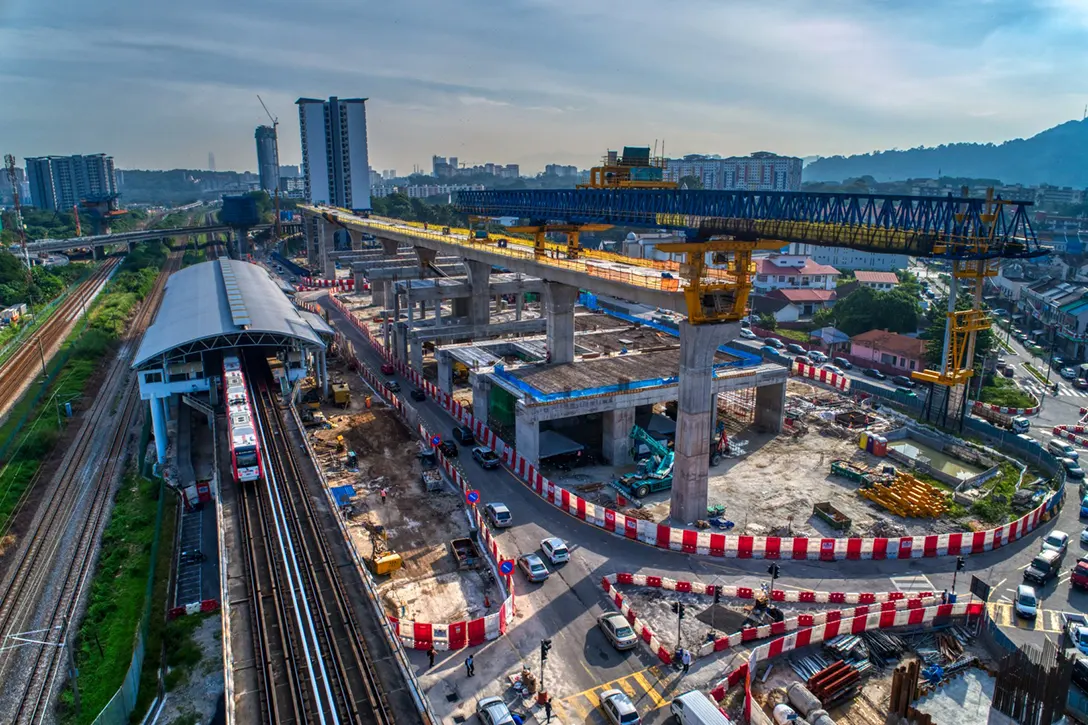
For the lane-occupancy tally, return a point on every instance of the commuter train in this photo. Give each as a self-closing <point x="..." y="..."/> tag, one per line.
<point x="245" y="450"/>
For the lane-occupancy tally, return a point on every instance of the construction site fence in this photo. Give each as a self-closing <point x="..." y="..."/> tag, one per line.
<point x="744" y="359"/>
<point x="118" y="710"/>
<point x="705" y="543"/>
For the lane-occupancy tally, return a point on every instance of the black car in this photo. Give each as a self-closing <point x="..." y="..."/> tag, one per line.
<point x="463" y="435"/>
<point x="448" y="448"/>
<point x="874" y="374"/>
<point x="486" y="457"/>
<point x="418" y="395"/>
<point x="796" y="349"/>
<point x="392" y="386"/>
<point x="903" y="381"/>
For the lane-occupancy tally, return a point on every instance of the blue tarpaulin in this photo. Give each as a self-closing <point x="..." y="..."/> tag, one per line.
<point x="342" y="494"/>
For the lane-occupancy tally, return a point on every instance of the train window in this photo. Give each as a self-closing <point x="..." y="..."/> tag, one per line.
<point x="246" y="457"/>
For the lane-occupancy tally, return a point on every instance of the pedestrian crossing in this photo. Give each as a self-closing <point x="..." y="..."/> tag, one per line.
<point x="648" y="690"/>
<point x="1065" y="388"/>
<point x="1047" y="620"/>
<point x="913" y="583"/>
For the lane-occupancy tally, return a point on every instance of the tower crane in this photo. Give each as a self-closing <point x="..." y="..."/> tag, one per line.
<point x="276" y="139"/>
<point x="9" y="164"/>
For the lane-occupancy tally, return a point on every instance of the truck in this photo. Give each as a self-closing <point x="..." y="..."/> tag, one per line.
<point x="466" y="553"/>
<point x="1075" y="627"/>
<point x="1015" y="423"/>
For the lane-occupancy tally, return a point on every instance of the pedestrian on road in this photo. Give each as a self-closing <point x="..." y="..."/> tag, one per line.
<point x="430" y="656"/>
<point x="548" y="710"/>
<point x="685" y="659"/>
<point x="470" y="666"/>
<point x="384" y="491"/>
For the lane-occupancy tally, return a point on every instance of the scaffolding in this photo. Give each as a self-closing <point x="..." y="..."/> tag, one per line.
<point x="737" y="408"/>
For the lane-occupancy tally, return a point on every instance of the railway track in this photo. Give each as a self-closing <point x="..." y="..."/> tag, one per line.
<point x="26" y="363"/>
<point x="44" y="588"/>
<point x="334" y="677"/>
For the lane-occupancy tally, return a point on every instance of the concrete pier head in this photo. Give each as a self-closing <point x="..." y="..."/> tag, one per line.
<point x="695" y="417"/>
<point x="559" y="301"/>
<point x="616" y="433"/>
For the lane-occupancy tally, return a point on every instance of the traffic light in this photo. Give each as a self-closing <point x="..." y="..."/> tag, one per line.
<point x="773" y="570"/>
<point x="678" y="609"/>
<point x="961" y="563"/>
<point x="717" y="595"/>
<point x="545" y="645"/>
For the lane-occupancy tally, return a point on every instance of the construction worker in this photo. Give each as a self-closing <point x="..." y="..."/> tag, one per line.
<point x="430" y="655"/>
<point x="470" y="666"/>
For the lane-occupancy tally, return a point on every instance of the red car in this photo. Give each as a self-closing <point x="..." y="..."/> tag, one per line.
<point x="1080" y="574"/>
<point x="387" y="369"/>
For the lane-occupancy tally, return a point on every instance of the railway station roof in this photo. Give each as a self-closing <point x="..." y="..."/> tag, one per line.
<point x="223" y="304"/>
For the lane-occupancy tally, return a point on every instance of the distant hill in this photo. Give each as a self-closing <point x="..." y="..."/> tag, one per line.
<point x="1057" y="156"/>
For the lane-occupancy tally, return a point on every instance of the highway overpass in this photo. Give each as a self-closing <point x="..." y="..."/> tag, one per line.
<point x="102" y="240"/>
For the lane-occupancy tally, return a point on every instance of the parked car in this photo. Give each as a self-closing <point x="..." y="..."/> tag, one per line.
<point x="533" y="567"/>
<point x="796" y="349"/>
<point x="695" y="708"/>
<point x="1073" y="470"/>
<point x="817" y="357"/>
<point x="618" y="708"/>
<point x="463" y="435"/>
<point x="555" y="549"/>
<point x="1079" y="576"/>
<point x="618" y="630"/>
<point x="1057" y="361"/>
<point x="1068" y="373"/>
<point x="1084" y="537"/>
<point x="486" y="457"/>
<point x="903" y="381"/>
<point x="498" y="515"/>
<point x="1056" y="541"/>
<point x="1001" y="362"/>
<point x="773" y="342"/>
<point x="418" y="395"/>
<point x="493" y="711"/>
<point x="1008" y="372"/>
<point x="802" y="359"/>
<point x="388" y="369"/>
<point x="834" y="370"/>
<point x="874" y="374"/>
<point x="748" y="334"/>
<point x="843" y="363"/>
<point x="1060" y="448"/>
<point x="770" y="350"/>
<point x="1026" y="602"/>
<point x="1084" y="507"/>
<point x="448" y="448"/>
<point x="1043" y="567"/>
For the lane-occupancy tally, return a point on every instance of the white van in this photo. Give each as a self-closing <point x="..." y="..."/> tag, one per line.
<point x="695" y="708"/>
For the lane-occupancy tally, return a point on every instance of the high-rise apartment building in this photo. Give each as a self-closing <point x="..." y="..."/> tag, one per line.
<point x="762" y="171"/>
<point x="334" y="155"/>
<point x="268" y="158"/>
<point x="60" y="182"/>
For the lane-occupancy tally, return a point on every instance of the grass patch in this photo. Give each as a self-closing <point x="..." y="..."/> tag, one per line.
<point x="798" y="335"/>
<point x="1003" y="392"/>
<point x="116" y="600"/>
<point x="995" y="508"/>
<point x="1041" y="377"/>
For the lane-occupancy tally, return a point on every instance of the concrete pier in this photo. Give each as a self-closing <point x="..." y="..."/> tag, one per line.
<point x="559" y="301"/>
<point x="389" y="246"/>
<point x="356" y="236"/>
<point x="527" y="439"/>
<point x="326" y="242"/>
<point x="770" y="407"/>
<point x="479" y="279"/>
<point x="445" y="371"/>
<point x="695" y="416"/>
<point x="481" y="397"/>
<point x="615" y="439"/>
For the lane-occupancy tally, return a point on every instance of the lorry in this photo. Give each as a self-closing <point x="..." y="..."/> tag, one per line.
<point x="1015" y="423"/>
<point x="466" y="553"/>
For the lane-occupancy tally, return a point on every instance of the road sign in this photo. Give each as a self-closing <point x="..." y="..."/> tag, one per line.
<point x="473" y="496"/>
<point x="506" y="567"/>
<point x="980" y="589"/>
<point x="436" y="441"/>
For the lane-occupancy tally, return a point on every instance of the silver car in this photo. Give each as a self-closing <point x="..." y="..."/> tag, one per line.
<point x="493" y="711"/>
<point x="618" y="630"/>
<point x="618" y="708"/>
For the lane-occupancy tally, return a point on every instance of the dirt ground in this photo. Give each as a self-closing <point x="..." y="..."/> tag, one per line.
<point x="418" y="524"/>
<point x="197" y="698"/>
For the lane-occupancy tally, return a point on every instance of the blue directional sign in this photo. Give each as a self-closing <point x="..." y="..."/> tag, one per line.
<point x="436" y="441"/>
<point x="506" y="567"/>
<point x="473" y="496"/>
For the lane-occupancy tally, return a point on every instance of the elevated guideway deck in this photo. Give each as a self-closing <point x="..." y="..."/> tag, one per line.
<point x="102" y="240"/>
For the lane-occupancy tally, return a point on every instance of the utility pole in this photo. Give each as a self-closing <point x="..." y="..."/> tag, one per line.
<point x="41" y="351"/>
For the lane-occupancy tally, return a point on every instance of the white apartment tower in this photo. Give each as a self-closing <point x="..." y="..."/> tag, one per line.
<point x="335" y="167"/>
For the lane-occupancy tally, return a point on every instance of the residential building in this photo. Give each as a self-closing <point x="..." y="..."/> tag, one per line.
<point x="762" y="171"/>
<point x="898" y="352"/>
<point x="780" y="271"/>
<point x="560" y="170"/>
<point x="375" y="179"/>
<point x="60" y="182"/>
<point x="268" y="158"/>
<point x="1055" y="310"/>
<point x="1052" y="197"/>
<point x="644" y="246"/>
<point x="882" y="281"/>
<point x="851" y="258"/>
<point x="334" y="152"/>
<point x="289" y="172"/>
<point x="804" y="303"/>
<point x="443" y="168"/>
<point x="21" y="184"/>
<point x="389" y="174"/>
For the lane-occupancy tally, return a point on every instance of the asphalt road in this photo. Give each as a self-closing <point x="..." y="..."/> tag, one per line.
<point x="565" y="607"/>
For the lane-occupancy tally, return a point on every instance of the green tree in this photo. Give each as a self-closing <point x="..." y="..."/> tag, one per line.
<point x="691" y="182"/>
<point x="767" y="321"/>
<point x="823" y="317"/>
<point x="866" y="309"/>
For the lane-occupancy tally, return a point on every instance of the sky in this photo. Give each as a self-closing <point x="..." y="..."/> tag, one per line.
<point x="161" y="84"/>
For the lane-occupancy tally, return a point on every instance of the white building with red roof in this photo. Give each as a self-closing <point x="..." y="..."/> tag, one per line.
<point x="882" y="281"/>
<point x="788" y="271"/>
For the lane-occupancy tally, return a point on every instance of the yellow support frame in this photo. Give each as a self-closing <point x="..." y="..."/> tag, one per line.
<point x="572" y="248"/>
<point x="711" y="302"/>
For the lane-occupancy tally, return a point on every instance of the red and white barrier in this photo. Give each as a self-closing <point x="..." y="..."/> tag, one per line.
<point x="706" y="543"/>
<point x="348" y="283"/>
<point x="804" y="370"/>
<point x="884" y="603"/>
<point x="1003" y="409"/>
<point x="206" y="605"/>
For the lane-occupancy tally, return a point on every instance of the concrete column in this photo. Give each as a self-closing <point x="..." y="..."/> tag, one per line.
<point x="479" y="279"/>
<point x="437" y="313"/>
<point x="423" y="309"/>
<point x="460" y="306"/>
<point x="519" y="301"/>
<point x="389" y="294"/>
<point x="400" y="341"/>
<point x="445" y="371"/>
<point x="386" y="331"/>
<point x="527" y="438"/>
<point x="389" y="246"/>
<point x="377" y="291"/>
<point x="407" y="303"/>
<point x="416" y="350"/>
<point x="324" y="374"/>
<point x="358" y="276"/>
<point x="356" y="239"/>
<point x="481" y="396"/>
<point x="559" y="301"/>
<point x="425" y="256"/>
<point x="328" y="244"/>
<point x="158" y="426"/>
<point x="695" y="417"/>
<point x="616" y="433"/>
<point x="770" y="407"/>
<point x="96" y="252"/>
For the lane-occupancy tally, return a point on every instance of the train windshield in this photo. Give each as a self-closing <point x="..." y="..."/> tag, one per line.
<point x="246" y="457"/>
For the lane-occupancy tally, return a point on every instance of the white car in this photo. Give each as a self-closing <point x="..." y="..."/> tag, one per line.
<point x="1068" y="373"/>
<point x="556" y="550"/>
<point x="817" y="357"/>
<point x="1026" y="603"/>
<point x="834" y="370"/>
<point x="1084" y="537"/>
<point x="748" y="334"/>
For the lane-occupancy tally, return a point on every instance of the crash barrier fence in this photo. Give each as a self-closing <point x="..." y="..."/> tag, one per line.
<point x="321" y="283"/>
<point x="1004" y="410"/>
<point x="840" y="382"/>
<point x="886" y="604"/>
<point x="821" y="633"/>
<point x="419" y="697"/>
<point x="453" y="635"/>
<point x="713" y="544"/>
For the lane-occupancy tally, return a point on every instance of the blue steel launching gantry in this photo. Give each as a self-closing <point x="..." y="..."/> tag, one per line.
<point x="723" y="228"/>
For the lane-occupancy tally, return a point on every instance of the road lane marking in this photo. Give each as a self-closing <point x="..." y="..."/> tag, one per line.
<point x="913" y="583"/>
<point x="657" y="699"/>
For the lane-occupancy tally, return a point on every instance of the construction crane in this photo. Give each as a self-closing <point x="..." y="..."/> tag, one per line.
<point x="9" y="164"/>
<point x="276" y="140"/>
